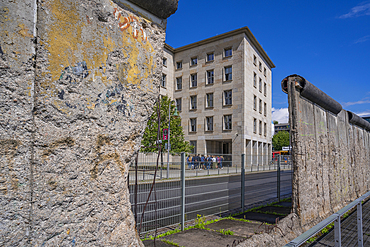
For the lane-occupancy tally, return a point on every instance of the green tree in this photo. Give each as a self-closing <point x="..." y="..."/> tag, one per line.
<point x="275" y="122"/>
<point x="281" y="139"/>
<point x="177" y="140"/>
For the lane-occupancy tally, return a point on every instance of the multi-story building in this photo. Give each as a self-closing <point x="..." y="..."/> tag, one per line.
<point x="222" y="89"/>
<point x="281" y="127"/>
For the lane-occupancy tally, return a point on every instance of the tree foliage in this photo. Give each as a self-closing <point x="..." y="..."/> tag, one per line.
<point x="281" y="139"/>
<point x="177" y="140"/>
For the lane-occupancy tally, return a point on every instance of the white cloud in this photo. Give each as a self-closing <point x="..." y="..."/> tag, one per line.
<point x="281" y="115"/>
<point x="364" y="114"/>
<point x="360" y="102"/>
<point x="359" y="10"/>
<point x="362" y="40"/>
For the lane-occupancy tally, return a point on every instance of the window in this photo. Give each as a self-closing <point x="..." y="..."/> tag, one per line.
<point x="209" y="100"/>
<point x="260" y="128"/>
<point x="210" y="77"/>
<point x="193" y="61"/>
<point x="178" y="83"/>
<point x="264" y="71"/>
<point x="260" y="106"/>
<point x="255" y="102"/>
<point x="163" y="82"/>
<point x="228" y="52"/>
<point x="193" y="82"/>
<point x="210" y="57"/>
<point x="260" y="85"/>
<point x="209" y="123"/>
<point x="264" y="109"/>
<point x="179" y="65"/>
<point x="193" y="102"/>
<point x="194" y="144"/>
<point x="254" y="125"/>
<point x="254" y="79"/>
<point x="165" y="62"/>
<point x="264" y="88"/>
<point x="193" y="124"/>
<point x="260" y="66"/>
<point x="228" y="73"/>
<point x="227" y="122"/>
<point x="228" y="97"/>
<point x="179" y="104"/>
<point x="254" y="60"/>
<point x="265" y="129"/>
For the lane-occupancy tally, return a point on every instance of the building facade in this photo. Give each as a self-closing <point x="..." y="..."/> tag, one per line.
<point x="222" y="89"/>
<point x="281" y="127"/>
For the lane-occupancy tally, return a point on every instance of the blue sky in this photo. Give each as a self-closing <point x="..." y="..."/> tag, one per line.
<point x="326" y="42"/>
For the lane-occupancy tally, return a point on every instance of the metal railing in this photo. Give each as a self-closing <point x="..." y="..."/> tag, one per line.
<point x="337" y="231"/>
<point x="182" y="197"/>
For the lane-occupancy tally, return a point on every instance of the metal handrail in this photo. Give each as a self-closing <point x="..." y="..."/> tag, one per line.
<point x="317" y="228"/>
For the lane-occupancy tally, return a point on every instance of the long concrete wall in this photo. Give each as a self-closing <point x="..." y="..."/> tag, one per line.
<point x="330" y="152"/>
<point x="77" y="83"/>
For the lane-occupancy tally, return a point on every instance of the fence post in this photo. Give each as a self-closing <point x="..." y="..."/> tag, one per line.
<point x="182" y="191"/>
<point x="278" y="177"/>
<point x="359" y="225"/>
<point x="337" y="233"/>
<point x="243" y="181"/>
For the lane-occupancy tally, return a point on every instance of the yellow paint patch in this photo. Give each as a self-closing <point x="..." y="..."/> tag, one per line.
<point x="24" y="31"/>
<point x="67" y="43"/>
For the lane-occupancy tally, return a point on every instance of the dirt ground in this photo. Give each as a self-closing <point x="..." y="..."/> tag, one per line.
<point x="241" y="229"/>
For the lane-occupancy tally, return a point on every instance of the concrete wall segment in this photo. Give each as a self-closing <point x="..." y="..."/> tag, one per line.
<point x="17" y="74"/>
<point x="74" y="102"/>
<point x="330" y="157"/>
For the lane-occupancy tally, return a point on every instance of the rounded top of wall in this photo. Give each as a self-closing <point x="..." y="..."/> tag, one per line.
<point x="161" y="8"/>
<point x="312" y="93"/>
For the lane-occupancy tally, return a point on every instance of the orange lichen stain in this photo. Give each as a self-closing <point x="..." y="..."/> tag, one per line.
<point x="24" y="31"/>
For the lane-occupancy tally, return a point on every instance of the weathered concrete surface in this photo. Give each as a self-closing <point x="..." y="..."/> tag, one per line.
<point x="330" y="157"/>
<point x="77" y="82"/>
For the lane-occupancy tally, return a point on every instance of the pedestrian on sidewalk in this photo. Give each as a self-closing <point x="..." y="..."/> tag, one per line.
<point x="214" y="161"/>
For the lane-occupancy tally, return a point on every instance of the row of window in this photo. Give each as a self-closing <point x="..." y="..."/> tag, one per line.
<point x="226" y="124"/>
<point x="193" y="79"/>
<point x="208" y="124"/>
<point x="259" y="127"/>
<point x="260" y="105"/>
<point x="227" y="100"/>
<point x="259" y="65"/>
<point x="210" y="57"/>
<point x="259" y="84"/>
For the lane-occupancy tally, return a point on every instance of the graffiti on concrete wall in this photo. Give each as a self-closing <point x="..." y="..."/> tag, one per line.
<point x="124" y="22"/>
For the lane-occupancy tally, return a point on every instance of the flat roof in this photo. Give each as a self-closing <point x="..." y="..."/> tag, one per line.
<point x="243" y="30"/>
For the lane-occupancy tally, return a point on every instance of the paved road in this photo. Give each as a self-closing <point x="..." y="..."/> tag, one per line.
<point x="205" y="196"/>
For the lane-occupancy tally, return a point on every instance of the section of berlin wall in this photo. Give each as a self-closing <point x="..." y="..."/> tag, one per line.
<point x="78" y="80"/>
<point x="330" y="152"/>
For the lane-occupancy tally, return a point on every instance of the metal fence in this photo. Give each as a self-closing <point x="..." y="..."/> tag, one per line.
<point x="171" y="169"/>
<point x="194" y="190"/>
<point x="347" y="231"/>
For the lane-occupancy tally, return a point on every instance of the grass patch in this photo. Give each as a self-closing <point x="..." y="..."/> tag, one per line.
<point x="200" y="221"/>
<point x="171" y="242"/>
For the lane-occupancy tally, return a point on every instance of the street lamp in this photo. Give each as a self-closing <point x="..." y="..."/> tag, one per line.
<point x="175" y="114"/>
